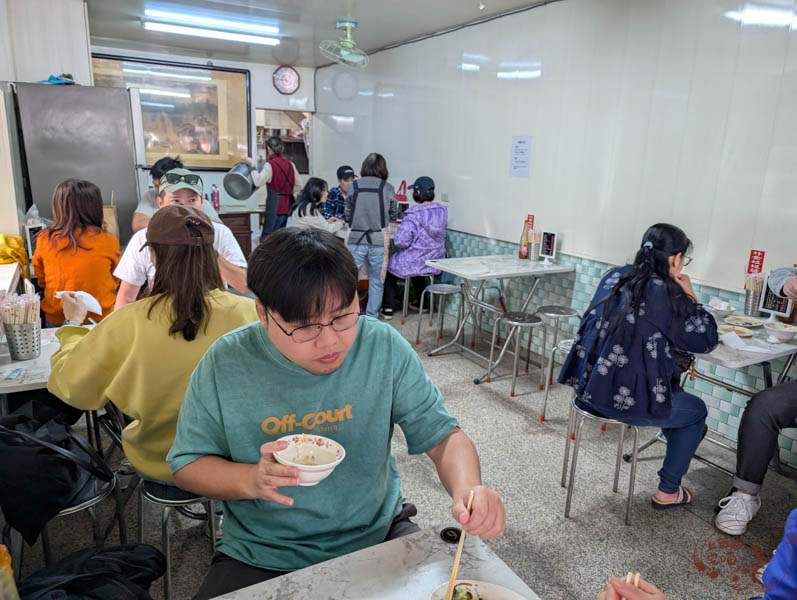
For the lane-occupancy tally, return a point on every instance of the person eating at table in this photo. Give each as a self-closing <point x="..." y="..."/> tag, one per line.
<point x="766" y="414"/>
<point x="622" y="364"/>
<point x="141" y="356"/>
<point x="313" y="365"/>
<point x="148" y="203"/>
<point x="182" y="187"/>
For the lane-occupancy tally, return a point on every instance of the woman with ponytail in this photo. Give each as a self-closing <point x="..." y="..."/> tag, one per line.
<point x="622" y="366"/>
<point x="142" y="355"/>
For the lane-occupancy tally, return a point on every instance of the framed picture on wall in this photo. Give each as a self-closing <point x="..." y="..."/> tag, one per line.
<point x="198" y="112"/>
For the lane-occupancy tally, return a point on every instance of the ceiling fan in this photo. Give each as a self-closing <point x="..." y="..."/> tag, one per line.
<point x="344" y="51"/>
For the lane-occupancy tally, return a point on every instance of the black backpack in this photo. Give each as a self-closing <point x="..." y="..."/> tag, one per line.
<point x="115" y="573"/>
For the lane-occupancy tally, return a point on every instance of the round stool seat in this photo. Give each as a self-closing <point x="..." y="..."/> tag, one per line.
<point x="593" y="416"/>
<point x="442" y="288"/>
<point x="565" y="346"/>
<point x="555" y="311"/>
<point x="520" y="319"/>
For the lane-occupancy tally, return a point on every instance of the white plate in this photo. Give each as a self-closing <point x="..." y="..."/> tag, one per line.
<point x="740" y="331"/>
<point x="481" y="589"/>
<point x="744" y="321"/>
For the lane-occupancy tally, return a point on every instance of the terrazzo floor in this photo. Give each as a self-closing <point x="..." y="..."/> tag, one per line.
<point x="521" y="457"/>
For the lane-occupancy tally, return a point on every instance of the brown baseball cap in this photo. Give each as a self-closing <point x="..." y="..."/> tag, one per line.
<point x="178" y="225"/>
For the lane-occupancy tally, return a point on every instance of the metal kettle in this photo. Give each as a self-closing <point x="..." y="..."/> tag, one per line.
<point x="238" y="181"/>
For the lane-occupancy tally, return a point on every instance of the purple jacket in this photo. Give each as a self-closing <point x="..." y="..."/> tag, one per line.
<point x="420" y="237"/>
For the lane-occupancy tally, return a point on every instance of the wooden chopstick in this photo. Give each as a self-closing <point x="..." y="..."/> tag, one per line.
<point x="451" y="581"/>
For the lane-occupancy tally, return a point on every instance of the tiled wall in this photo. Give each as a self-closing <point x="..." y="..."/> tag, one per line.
<point x="576" y="290"/>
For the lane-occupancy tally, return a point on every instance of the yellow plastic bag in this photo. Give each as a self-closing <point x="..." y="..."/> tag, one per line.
<point x="12" y="249"/>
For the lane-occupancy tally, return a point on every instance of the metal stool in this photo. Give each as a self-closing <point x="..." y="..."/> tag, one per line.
<point x="406" y="304"/>
<point x="574" y="432"/>
<point x="167" y="497"/>
<point x="516" y="321"/>
<point x="556" y="313"/>
<point x="563" y="348"/>
<point x="444" y="290"/>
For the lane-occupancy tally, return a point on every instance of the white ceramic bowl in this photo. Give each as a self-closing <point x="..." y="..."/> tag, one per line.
<point x="326" y="453"/>
<point x="782" y="331"/>
<point x="719" y="315"/>
<point x="489" y="591"/>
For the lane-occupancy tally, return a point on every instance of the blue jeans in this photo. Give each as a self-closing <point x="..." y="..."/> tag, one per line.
<point x="374" y="256"/>
<point x="683" y="430"/>
<point x="280" y="221"/>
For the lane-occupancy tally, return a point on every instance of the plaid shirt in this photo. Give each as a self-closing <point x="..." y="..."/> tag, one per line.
<point x="335" y="204"/>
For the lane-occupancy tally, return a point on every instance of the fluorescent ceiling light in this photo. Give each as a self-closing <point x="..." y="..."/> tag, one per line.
<point x="386" y="95"/>
<point x="152" y="92"/>
<point x="365" y="93"/>
<point x="476" y="57"/>
<point x="343" y="120"/>
<point x="158" y="104"/>
<point x="519" y="74"/>
<point x="150" y="73"/>
<point x="210" y="21"/>
<point x="211" y="33"/>
<point x="760" y="15"/>
<point x="470" y="67"/>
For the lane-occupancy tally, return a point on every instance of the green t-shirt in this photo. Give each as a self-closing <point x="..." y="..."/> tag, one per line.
<point x="244" y="393"/>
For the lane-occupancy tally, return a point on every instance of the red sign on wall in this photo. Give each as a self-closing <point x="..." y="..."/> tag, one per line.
<point x="756" y="264"/>
<point x="530" y="221"/>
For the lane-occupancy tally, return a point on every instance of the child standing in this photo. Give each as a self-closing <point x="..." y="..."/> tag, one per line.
<point x="75" y="253"/>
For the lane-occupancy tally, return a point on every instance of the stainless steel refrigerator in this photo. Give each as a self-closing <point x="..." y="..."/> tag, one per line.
<point x="81" y="132"/>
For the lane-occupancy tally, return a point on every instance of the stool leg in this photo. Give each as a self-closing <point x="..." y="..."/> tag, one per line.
<point x="555" y="336"/>
<point x="441" y="316"/>
<point x="492" y="348"/>
<point x="46" y="549"/>
<point x="431" y="308"/>
<point x="120" y="519"/>
<point x="405" y="305"/>
<point x="632" y="478"/>
<point x="571" y="418"/>
<point x="141" y="512"/>
<point x="542" y="353"/>
<point x="420" y="316"/>
<point x="211" y="512"/>
<point x="95" y="527"/>
<point x="528" y="349"/>
<point x="547" y="384"/>
<point x="572" y="483"/>
<point x="619" y="458"/>
<point x="167" y="576"/>
<point x="514" y="362"/>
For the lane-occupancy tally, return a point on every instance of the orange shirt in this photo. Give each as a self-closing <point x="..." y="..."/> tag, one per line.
<point x="87" y="269"/>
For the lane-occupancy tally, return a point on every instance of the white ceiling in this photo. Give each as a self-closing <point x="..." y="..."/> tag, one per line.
<point x="302" y="23"/>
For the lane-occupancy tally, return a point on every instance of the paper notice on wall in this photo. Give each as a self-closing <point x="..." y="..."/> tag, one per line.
<point x="520" y="157"/>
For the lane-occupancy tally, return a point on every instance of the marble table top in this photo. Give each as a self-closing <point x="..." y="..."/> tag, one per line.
<point x="502" y="266"/>
<point x="736" y="359"/>
<point x="409" y="567"/>
<point x="23" y="375"/>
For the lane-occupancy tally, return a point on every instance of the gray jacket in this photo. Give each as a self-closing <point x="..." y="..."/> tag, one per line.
<point x="366" y="211"/>
<point x="778" y="278"/>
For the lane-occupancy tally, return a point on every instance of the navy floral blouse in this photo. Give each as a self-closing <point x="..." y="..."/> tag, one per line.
<point x="626" y="371"/>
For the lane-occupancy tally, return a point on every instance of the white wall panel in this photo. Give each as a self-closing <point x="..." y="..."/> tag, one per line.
<point x="675" y="110"/>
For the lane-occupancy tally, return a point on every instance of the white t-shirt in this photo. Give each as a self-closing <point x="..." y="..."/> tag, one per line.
<point x="136" y="268"/>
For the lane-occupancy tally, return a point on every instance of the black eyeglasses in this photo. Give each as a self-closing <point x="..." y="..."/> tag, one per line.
<point x="687" y="259"/>
<point x="307" y="333"/>
<point x="189" y="178"/>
